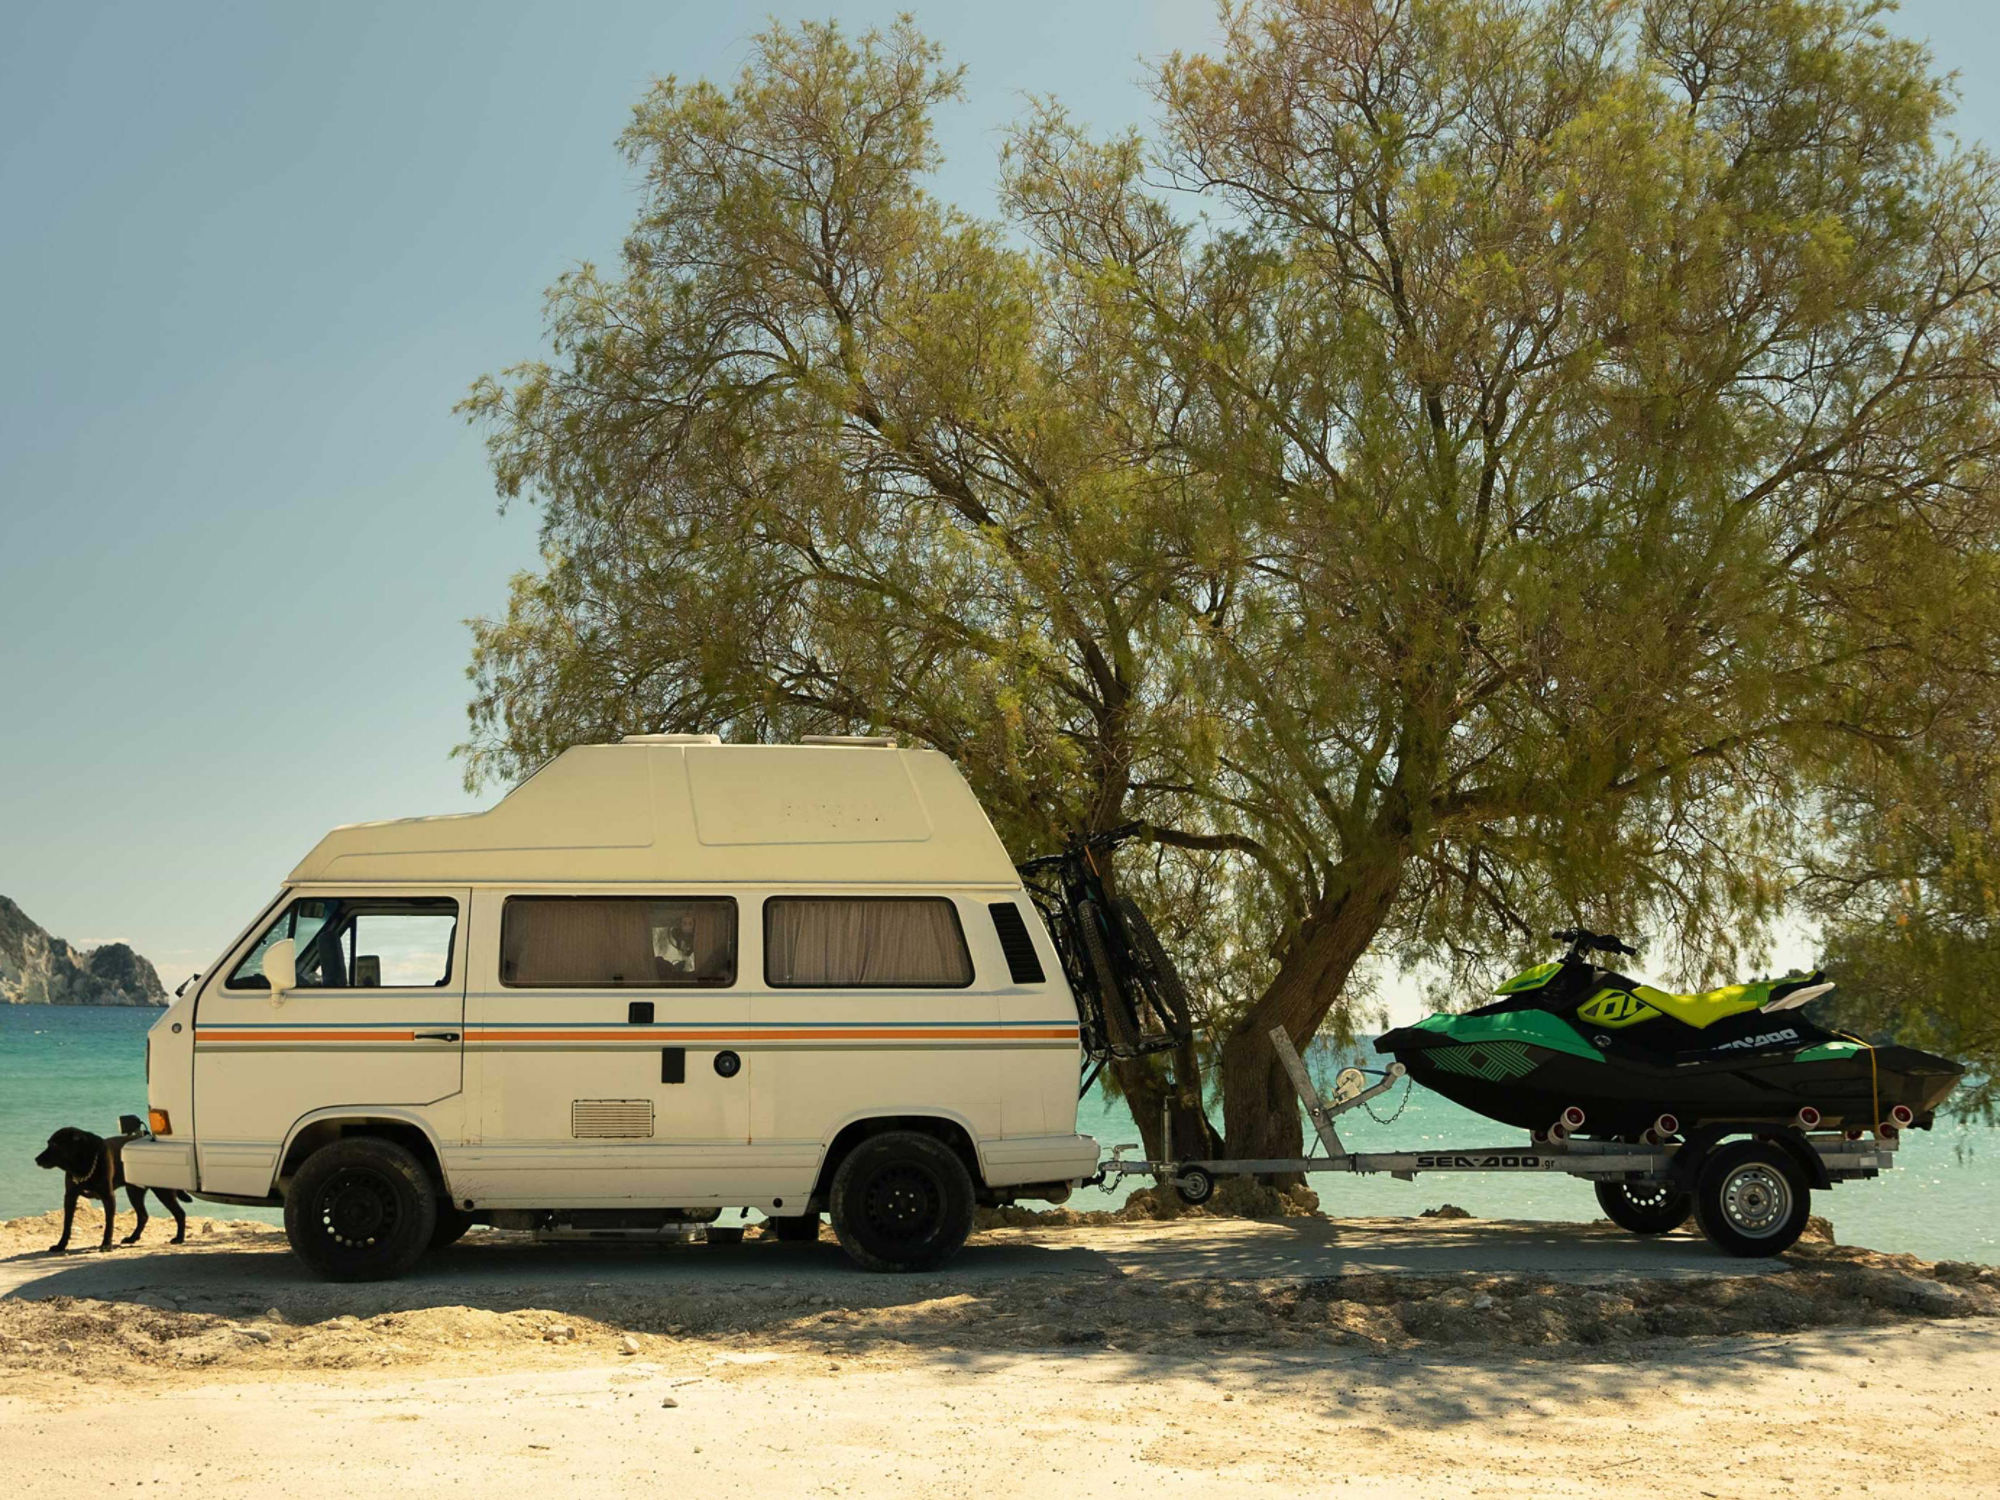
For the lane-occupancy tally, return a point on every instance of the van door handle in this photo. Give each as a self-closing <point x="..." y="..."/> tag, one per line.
<point x="435" y="1036"/>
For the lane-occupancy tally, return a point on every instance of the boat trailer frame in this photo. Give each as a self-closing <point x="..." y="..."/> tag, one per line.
<point x="1837" y="1156"/>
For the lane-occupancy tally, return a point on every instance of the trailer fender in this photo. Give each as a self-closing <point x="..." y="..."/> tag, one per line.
<point x="1698" y="1145"/>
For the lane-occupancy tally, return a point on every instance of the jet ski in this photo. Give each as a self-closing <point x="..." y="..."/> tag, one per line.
<point x="1574" y="1047"/>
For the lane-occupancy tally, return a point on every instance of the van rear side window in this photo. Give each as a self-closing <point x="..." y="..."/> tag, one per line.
<point x="864" y="943"/>
<point x="617" y="942"/>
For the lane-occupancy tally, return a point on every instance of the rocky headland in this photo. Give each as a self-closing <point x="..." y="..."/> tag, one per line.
<point x="37" y="969"/>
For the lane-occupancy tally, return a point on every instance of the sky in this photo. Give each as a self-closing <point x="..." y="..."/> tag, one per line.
<point x="250" y="257"/>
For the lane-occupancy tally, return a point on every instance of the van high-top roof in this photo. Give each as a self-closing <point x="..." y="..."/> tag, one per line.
<point x="688" y="810"/>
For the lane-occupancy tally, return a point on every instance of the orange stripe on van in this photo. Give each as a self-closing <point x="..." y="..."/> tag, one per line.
<point x="304" y="1036"/>
<point x="479" y="1034"/>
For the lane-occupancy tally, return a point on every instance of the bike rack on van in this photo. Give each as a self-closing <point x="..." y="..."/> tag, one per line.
<point x="1837" y="1157"/>
<point x="1131" y="1001"/>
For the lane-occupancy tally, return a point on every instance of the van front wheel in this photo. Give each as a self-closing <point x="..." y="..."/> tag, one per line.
<point x="361" y="1209"/>
<point x="901" y="1201"/>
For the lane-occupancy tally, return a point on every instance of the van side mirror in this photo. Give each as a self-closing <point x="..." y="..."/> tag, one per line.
<point x="281" y="967"/>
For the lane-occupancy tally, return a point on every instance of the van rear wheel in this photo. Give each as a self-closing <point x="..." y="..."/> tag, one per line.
<point x="361" y="1209"/>
<point x="901" y="1201"/>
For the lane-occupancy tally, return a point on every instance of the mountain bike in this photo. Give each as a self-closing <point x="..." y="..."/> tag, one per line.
<point x="1130" y="997"/>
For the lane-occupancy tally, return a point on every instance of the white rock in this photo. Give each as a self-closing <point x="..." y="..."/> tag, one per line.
<point x="628" y="1345"/>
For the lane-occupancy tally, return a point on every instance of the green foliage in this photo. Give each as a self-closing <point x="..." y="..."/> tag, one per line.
<point x="1552" y="480"/>
<point x="1908" y="879"/>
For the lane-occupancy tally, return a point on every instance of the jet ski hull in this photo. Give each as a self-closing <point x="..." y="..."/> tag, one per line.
<point x="1527" y="1073"/>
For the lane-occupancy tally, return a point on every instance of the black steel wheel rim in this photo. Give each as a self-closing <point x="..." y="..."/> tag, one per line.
<point x="902" y="1204"/>
<point x="359" y="1208"/>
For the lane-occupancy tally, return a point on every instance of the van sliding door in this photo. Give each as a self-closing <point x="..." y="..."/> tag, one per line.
<point x="606" y="1036"/>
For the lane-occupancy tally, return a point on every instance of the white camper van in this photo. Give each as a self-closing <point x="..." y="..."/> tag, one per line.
<point x="660" y="978"/>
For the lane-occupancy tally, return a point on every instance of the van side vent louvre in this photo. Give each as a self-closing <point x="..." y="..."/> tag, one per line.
<point x="1022" y="964"/>
<point x="610" y="1119"/>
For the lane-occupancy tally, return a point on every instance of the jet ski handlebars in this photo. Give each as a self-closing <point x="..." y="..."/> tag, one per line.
<point x="1582" y="941"/>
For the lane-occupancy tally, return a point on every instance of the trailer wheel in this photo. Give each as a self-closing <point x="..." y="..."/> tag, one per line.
<point x="1645" y="1207"/>
<point x="361" y="1209"/>
<point x="1752" y="1199"/>
<point x="901" y="1201"/>
<point x="1195" y="1186"/>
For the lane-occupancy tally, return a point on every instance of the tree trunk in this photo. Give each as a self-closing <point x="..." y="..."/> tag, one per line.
<point x="1260" y="1111"/>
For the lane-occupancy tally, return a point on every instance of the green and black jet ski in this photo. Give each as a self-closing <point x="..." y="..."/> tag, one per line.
<point x="1571" y="1044"/>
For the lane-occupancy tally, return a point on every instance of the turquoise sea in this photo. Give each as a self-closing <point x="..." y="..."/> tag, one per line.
<point x="78" y="1066"/>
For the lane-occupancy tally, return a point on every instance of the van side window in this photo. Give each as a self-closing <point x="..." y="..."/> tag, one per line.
<point x="864" y="942"/>
<point x="360" y="943"/>
<point x="617" y="942"/>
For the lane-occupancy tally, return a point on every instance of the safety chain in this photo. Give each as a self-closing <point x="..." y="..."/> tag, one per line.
<point x="1369" y="1104"/>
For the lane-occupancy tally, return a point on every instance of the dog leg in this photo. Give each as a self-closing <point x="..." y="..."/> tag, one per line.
<point x="172" y="1199"/>
<point x="138" y="1197"/>
<point x="69" y="1217"/>
<point x="110" y="1218"/>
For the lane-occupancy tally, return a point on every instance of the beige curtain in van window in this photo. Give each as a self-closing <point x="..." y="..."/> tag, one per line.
<point x="564" y="941"/>
<point x="561" y="942"/>
<point x="714" y="941"/>
<point x="837" y="943"/>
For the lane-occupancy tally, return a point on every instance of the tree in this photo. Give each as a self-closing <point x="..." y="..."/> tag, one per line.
<point x="1597" y="396"/>
<point x="1525" y="498"/>
<point x="1908" y="882"/>
<point x="830" y="455"/>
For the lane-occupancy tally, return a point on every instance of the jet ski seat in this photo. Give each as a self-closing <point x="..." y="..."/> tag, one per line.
<point x="1701" y="1009"/>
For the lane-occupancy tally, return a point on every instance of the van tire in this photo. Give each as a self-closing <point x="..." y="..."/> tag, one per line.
<point x="901" y="1201"/>
<point x="361" y="1209"/>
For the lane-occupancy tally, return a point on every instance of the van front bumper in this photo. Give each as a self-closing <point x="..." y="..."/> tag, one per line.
<point x="1038" y="1158"/>
<point x="154" y="1163"/>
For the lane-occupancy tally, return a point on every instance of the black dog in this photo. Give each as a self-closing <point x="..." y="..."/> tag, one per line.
<point x="94" y="1166"/>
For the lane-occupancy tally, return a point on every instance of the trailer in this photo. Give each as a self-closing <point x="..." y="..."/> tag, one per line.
<point x="1747" y="1185"/>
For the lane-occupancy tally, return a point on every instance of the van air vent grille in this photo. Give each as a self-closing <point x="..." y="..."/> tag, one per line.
<point x="610" y="1119"/>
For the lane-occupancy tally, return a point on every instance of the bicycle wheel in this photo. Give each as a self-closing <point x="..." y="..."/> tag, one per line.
<point x="1121" y="1023"/>
<point x="1157" y="975"/>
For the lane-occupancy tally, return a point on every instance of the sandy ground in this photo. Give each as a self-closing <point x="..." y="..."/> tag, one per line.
<point x="1210" y="1357"/>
